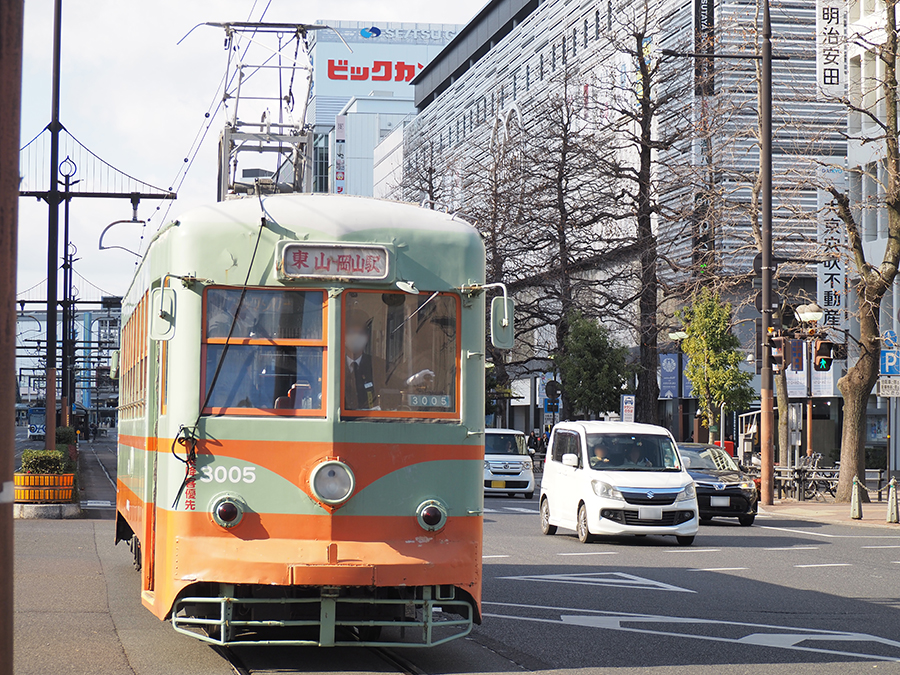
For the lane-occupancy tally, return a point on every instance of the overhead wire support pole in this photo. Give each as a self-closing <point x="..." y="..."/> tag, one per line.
<point x="11" y="27"/>
<point x="53" y="199"/>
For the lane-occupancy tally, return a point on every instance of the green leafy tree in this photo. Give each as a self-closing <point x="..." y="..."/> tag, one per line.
<point x="714" y="357"/>
<point x="593" y="367"/>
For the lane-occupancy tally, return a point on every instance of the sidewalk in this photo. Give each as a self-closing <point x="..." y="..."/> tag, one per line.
<point x="874" y="514"/>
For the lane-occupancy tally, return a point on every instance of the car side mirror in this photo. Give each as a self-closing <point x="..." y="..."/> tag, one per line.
<point x="570" y="459"/>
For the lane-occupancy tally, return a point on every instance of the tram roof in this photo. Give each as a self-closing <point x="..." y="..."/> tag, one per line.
<point x="327" y="216"/>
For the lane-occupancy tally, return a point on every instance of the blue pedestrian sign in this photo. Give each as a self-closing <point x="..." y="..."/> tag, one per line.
<point x="889" y="339"/>
<point x="890" y="362"/>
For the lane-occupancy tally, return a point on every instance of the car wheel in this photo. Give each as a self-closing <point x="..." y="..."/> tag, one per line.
<point x="685" y="541"/>
<point x="584" y="534"/>
<point x="546" y="527"/>
<point x="747" y="520"/>
<point x="529" y="495"/>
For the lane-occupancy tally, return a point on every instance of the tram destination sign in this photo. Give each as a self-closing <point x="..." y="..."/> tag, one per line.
<point x="303" y="260"/>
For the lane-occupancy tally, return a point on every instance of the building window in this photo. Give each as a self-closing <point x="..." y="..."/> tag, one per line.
<point x="574" y="41"/>
<point x="542" y="66"/>
<point x="597" y="24"/>
<point x="564" y="51"/>
<point x="553" y="59"/>
<point x="585" y="33"/>
<point x="609" y="15"/>
<point x="527" y="78"/>
<point x="515" y="88"/>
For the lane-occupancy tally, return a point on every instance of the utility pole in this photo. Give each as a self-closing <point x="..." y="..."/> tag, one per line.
<point x="767" y="409"/>
<point x="11" y="21"/>
<point x="766" y="412"/>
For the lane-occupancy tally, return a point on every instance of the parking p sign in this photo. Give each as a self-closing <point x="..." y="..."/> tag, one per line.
<point x="890" y="362"/>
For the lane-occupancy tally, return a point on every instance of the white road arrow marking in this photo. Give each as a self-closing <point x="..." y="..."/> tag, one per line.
<point x="609" y="579"/>
<point x="779" y="637"/>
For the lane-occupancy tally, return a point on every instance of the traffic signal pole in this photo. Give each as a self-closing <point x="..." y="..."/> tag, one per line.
<point x="11" y="21"/>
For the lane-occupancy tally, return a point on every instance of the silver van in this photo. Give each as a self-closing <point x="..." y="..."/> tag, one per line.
<point x="508" y="466"/>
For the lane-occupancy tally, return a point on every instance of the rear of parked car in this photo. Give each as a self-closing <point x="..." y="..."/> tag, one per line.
<point x="613" y="478"/>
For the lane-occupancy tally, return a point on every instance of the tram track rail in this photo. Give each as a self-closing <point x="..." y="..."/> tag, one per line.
<point x="400" y="664"/>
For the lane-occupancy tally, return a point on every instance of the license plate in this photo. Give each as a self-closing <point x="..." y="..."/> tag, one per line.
<point x="720" y="501"/>
<point x="650" y="513"/>
<point x="498" y="483"/>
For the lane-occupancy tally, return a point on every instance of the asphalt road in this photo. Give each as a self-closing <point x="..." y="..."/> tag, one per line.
<point x="790" y="594"/>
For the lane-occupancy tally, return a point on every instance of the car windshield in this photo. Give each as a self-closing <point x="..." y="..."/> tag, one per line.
<point x="504" y="444"/>
<point x="632" y="452"/>
<point x="708" y="458"/>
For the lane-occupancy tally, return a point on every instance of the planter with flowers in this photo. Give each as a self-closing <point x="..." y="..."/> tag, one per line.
<point x="46" y="477"/>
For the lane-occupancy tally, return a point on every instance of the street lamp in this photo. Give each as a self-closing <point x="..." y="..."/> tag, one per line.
<point x="809" y="316"/>
<point x="810" y="313"/>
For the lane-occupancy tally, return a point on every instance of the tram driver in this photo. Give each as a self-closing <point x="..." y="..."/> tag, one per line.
<point x="364" y="374"/>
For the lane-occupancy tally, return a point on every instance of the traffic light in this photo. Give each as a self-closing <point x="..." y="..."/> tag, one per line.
<point x="777" y="345"/>
<point x="822" y="355"/>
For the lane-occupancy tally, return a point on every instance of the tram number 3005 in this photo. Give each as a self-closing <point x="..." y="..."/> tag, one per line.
<point x="429" y="401"/>
<point x="224" y="474"/>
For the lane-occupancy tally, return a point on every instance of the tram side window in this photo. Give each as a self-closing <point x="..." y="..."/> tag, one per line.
<point x="400" y="354"/>
<point x="274" y="357"/>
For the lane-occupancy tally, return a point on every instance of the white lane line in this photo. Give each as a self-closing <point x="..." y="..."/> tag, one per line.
<point x="519" y="509"/>
<point x="693" y="550"/>
<point x="827" y="565"/>
<point x="793" y="548"/>
<point x="592" y="553"/>
<point x="719" y="569"/>
<point x="829" y="536"/>
<point x="484" y="557"/>
<point x="888" y="546"/>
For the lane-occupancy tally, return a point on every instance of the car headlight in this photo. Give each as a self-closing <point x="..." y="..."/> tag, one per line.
<point x="687" y="493"/>
<point x="526" y="465"/>
<point x="748" y="485"/>
<point x="332" y="482"/>
<point x="606" y="490"/>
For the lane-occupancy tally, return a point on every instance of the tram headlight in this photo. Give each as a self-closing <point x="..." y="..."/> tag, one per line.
<point x="227" y="510"/>
<point x="432" y="515"/>
<point x="332" y="482"/>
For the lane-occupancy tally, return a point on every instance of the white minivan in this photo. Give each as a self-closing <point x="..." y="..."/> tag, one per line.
<point x="615" y="478"/>
<point x="507" y="463"/>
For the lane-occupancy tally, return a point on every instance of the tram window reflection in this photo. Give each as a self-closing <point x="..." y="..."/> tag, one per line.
<point x="400" y="353"/>
<point x="264" y="314"/>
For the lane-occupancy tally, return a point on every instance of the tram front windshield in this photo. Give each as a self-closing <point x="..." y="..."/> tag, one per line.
<point x="400" y="354"/>
<point x="274" y="356"/>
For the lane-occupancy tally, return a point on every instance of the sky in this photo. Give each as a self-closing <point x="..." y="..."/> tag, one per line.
<point x="137" y="99"/>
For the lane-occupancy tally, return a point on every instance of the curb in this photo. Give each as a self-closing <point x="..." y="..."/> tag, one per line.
<point x="828" y="518"/>
<point x="46" y="511"/>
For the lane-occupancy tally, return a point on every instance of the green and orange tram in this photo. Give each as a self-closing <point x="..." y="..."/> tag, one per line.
<point x="301" y="435"/>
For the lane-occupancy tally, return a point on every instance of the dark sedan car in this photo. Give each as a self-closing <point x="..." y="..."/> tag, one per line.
<point x="723" y="490"/>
